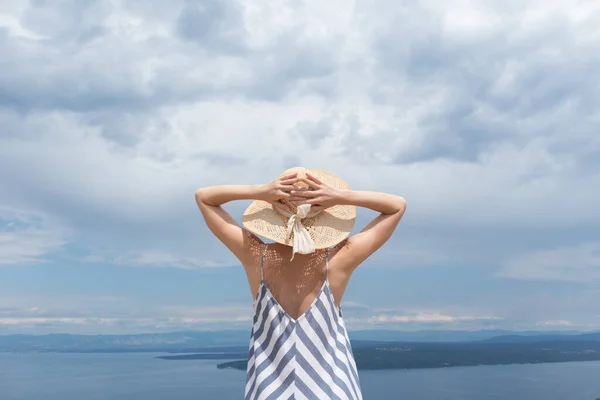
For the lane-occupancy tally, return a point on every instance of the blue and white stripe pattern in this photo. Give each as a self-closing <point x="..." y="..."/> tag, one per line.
<point x="305" y="358"/>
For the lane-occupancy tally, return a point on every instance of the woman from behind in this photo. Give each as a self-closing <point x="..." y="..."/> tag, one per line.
<point x="299" y="346"/>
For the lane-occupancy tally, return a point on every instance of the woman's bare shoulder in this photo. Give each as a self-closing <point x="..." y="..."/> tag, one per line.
<point x="254" y="248"/>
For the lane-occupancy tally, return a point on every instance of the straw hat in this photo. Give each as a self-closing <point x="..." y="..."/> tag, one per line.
<point x="322" y="229"/>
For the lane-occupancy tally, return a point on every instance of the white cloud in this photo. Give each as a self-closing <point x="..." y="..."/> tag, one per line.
<point x="171" y="143"/>
<point x="179" y="317"/>
<point x="113" y="314"/>
<point x="557" y="323"/>
<point x="362" y="316"/>
<point x="27" y="246"/>
<point x="118" y="314"/>
<point x="96" y="325"/>
<point x="155" y="258"/>
<point x="577" y="263"/>
<point x="482" y="114"/>
<point x="26" y="239"/>
<point x="14" y="27"/>
<point x="428" y="317"/>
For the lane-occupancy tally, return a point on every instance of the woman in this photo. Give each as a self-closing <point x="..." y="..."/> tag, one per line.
<point x="299" y="347"/>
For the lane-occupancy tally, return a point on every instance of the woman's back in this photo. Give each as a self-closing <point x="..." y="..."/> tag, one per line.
<point x="304" y="355"/>
<point x="296" y="283"/>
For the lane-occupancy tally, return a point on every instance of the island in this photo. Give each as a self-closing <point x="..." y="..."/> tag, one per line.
<point x="395" y="356"/>
<point x="415" y="355"/>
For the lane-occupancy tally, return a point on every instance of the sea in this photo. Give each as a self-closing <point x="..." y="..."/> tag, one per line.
<point x="141" y="376"/>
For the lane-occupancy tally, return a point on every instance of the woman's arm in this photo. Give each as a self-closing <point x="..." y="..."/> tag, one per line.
<point x="360" y="246"/>
<point x="384" y="203"/>
<point x="219" y="221"/>
<point x="380" y="229"/>
<point x="215" y="196"/>
<point x="222" y="224"/>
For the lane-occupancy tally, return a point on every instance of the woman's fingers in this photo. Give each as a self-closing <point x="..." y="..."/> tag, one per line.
<point x="314" y="178"/>
<point x="297" y="198"/>
<point x="310" y="183"/>
<point x="314" y="200"/>
<point x="290" y="181"/>
<point x="305" y="193"/>
<point x="285" y="188"/>
<point x="290" y="176"/>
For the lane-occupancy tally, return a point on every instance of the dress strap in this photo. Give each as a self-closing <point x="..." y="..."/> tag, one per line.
<point x="262" y="261"/>
<point x="327" y="263"/>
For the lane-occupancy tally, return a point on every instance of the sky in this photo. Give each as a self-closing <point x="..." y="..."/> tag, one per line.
<point x="484" y="115"/>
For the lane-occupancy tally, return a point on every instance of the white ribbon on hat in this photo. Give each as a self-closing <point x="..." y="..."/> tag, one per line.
<point x="303" y="243"/>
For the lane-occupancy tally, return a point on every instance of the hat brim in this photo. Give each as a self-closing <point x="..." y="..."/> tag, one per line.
<point x="326" y="229"/>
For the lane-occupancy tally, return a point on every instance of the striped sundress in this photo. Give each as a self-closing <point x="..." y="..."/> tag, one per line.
<point x="305" y="358"/>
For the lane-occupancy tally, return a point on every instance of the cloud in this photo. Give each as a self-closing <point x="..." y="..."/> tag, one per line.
<point x="215" y="25"/>
<point x="14" y="28"/>
<point x="27" y="246"/>
<point x="577" y="263"/>
<point x="24" y="239"/>
<point x="93" y="314"/>
<point x="469" y="104"/>
<point x="193" y="51"/>
<point x="482" y="114"/>
<point x="462" y="123"/>
<point x="122" y="314"/>
<point x="154" y="258"/>
<point x="116" y="325"/>
<point x="558" y="323"/>
<point x="428" y="318"/>
<point x="363" y="316"/>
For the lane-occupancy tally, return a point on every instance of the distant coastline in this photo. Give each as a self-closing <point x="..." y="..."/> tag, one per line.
<point x="386" y="349"/>
<point x="402" y="355"/>
<point x="240" y="365"/>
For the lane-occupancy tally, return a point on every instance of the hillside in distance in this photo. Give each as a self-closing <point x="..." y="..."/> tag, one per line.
<point x="514" y="338"/>
<point x="198" y="341"/>
<point x="406" y="355"/>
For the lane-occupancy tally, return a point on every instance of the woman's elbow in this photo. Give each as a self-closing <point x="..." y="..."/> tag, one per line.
<point x="199" y="195"/>
<point x="401" y="205"/>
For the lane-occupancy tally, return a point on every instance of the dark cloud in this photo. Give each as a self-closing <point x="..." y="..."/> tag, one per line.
<point x="494" y="85"/>
<point x="313" y="132"/>
<point x="220" y="159"/>
<point x="127" y="128"/>
<point x="216" y="25"/>
<point x="65" y="21"/>
<point x="133" y="90"/>
<point x="83" y="62"/>
<point x="293" y="64"/>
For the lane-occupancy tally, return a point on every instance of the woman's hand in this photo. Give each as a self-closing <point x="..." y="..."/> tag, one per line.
<point x="320" y="195"/>
<point x="278" y="189"/>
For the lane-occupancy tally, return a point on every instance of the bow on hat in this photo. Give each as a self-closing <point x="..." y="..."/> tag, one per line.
<point x="303" y="243"/>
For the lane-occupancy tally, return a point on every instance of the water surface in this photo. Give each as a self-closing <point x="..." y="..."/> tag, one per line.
<point x="139" y="376"/>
